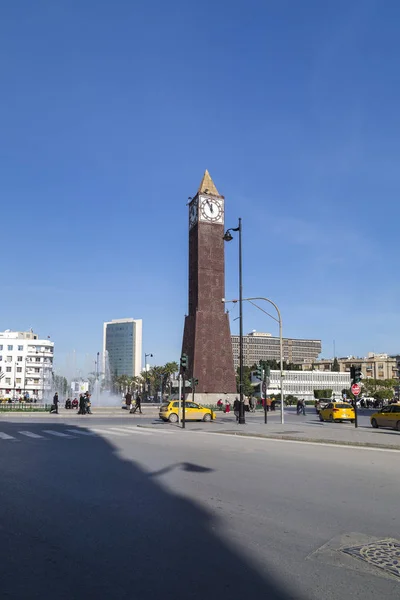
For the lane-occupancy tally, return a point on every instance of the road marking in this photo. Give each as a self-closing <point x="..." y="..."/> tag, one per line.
<point x="80" y="432"/>
<point x="57" y="433"/>
<point x="304" y="443"/>
<point x="108" y="432"/>
<point x="157" y="430"/>
<point x="31" y="434"/>
<point x="130" y="430"/>
<point x="5" y="436"/>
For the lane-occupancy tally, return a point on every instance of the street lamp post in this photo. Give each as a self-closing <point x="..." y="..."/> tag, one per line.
<point x="227" y="238"/>
<point x="279" y="321"/>
<point x="145" y="368"/>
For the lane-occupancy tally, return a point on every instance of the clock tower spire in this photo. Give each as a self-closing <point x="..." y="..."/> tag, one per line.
<point x="207" y="339"/>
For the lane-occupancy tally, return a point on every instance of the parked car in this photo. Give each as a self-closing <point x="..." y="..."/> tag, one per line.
<point x="337" y="411"/>
<point x="388" y="416"/>
<point x="193" y="412"/>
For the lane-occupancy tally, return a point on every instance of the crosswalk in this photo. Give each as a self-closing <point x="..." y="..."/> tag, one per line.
<point x="76" y="433"/>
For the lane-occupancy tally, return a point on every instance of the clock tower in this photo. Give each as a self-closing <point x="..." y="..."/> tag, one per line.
<point x="207" y="338"/>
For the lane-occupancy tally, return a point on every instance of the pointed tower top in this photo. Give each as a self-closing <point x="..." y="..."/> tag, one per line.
<point x="207" y="185"/>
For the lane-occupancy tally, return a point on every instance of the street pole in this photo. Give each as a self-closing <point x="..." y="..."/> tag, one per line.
<point x="279" y="321"/>
<point x="97" y="380"/>
<point x="180" y="396"/>
<point x="242" y="419"/>
<point x="184" y="402"/>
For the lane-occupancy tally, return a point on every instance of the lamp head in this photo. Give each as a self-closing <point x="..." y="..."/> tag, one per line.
<point x="227" y="237"/>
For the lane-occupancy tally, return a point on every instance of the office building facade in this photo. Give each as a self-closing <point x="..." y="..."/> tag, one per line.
<point x="263" y="346"/>
<point x="373" y="366"/>
<point x="122" y="344"/>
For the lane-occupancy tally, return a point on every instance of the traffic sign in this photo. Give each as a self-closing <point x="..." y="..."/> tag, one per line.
<point x="264" y="387"/>
<point x="355" y="389"/>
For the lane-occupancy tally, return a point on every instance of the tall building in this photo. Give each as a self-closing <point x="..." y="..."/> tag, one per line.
<point x="207" y="335"/>
<point x="122" y="343"/>
<point x="26" y="365"/>
<point x="263" y="346"/>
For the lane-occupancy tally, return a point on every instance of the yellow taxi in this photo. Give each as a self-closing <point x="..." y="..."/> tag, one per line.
<point x="193" y="412"/>
<point x="388" y="416"/>
<point x="337" y="411"/>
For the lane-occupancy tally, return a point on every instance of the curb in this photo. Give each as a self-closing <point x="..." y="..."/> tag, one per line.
<point x="312" y="440"/>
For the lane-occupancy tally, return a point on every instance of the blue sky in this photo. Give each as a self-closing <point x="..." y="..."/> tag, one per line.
<point x="111" y="111"/>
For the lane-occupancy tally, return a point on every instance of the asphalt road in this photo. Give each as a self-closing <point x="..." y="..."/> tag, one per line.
<point x="102" y="509"/>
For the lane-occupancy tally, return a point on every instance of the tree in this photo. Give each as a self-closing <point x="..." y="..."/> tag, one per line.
<point x="318" y="394"/>
<point x="335" y="365"/>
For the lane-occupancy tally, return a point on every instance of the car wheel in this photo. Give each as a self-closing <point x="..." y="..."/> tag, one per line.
<point x="398" y="425"/>
<point x="207" y="418"/>
<point x="374" y="423"/>
<point x="173" y="418"/>
<point x="321" y="418"/>
<point x="331" y="419"/>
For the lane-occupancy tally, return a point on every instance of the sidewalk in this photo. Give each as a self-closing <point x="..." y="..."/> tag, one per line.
<point x="149" y="411"/>
<point x="317" y="432"/>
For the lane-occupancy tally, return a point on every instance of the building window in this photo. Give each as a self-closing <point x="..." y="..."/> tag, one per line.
<point x="1" y="347"/>
<point x="8" y="369"/>
<point x="19" y="358"/>
<point x="19" y="369"/>
<point x="9" y="358"/>
<point x="36" y="381"/>
<point x="9" y="348"/>
<point x="8" y="380"/>
<point x="37" y="359"/>
<point x="20" y="348"/>
<point x="1" y="358"/>
<point x="18" y="380"/>
<point x="36" y="370"/>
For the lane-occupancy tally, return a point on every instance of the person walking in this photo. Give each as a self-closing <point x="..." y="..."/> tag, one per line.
<point x="303" y="407"/>
<point x="88" y="404"/>
<point x="55" y="403"/>
<point x="82" y="405"/>
<point x="138" y="405"/>
<point x="128" y="400"/>
<point x="236" y="409"/>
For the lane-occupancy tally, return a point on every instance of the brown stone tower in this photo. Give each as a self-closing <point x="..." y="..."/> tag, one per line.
<point x="206" y="338"/>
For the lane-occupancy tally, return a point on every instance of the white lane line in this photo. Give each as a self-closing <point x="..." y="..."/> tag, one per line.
<point x="5" y="436"/>
<point x="31" y="434"/>
<point x="57" y="433"/>
<point x="80" y="432"/>
<point x="130" y="430"/>
<point x="108" y="432"/>
<point x="158" y="430"/>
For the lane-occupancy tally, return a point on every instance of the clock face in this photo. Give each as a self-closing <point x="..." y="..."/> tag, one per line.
<point x="193" y="214"/>
<point x="212" y="210"/>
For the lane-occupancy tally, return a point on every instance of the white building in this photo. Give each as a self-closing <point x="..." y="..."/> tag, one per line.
<point x="122" y="344"/>
<point x="303" y="383"/>
<point x="26" y="365"/>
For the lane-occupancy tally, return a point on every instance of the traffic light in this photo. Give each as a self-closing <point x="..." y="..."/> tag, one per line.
<point x="259" y="371"/>
<point x="355" y="374"/>
<point x="267" y="370"/>
<point x="195" y="383"/>
<point x="184" y="362"/>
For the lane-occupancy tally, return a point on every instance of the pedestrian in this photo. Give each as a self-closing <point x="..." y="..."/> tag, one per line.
<point x="55" y="403"/>
<point x="252" y="404"/>
<point x="82" y="405"/>
<point x="246" y="404"/>
<point x="227" y="406"/>
<point x="88" y="404"/>
<point x="236" y="409"/>
<point x="298" y="407"/>
<point x="303" y="407"/>
<point x="269" y="403"/>
<point x="128" y="400"/>
<point x="138" y="405"/>
<point x="273" y="404"/>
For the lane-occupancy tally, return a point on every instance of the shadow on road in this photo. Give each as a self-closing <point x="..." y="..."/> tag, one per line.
<point x="77" y="521"/>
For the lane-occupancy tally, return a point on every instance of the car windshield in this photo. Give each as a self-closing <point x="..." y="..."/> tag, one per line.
<point x="342" y="406"/>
